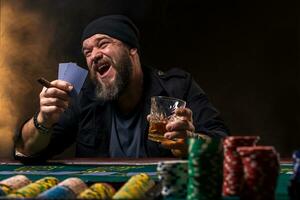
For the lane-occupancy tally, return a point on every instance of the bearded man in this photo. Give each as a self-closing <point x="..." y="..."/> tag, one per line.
<point x="109" y="117"/>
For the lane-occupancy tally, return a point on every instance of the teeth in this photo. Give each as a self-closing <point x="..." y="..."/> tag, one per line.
<point x="101" y="66"/>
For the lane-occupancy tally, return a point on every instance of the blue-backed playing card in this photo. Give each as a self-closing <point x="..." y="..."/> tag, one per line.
<point x="61" y="70"/>
<point x="73" y="74"/>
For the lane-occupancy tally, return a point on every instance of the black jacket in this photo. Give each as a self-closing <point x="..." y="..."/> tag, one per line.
<point x="88" y="121"/>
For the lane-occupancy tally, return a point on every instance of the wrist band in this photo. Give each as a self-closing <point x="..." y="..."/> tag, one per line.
<point x="40" y="127"/>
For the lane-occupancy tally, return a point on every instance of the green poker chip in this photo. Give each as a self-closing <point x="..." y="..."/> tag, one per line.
<point x="205" y="166"/>
<point x="173" y="176"/>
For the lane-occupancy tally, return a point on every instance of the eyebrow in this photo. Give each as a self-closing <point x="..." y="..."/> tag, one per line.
<point x="97" y="40"/>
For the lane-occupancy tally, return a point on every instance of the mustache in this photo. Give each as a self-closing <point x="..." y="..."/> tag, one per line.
<point x="101" y="61"/>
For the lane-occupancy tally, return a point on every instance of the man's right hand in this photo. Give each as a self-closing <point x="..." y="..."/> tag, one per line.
<point x="53" y="102"/>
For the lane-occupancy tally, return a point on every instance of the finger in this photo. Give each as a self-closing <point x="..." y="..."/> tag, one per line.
<point x="169" y="144"/>
<point x="51" y="109"/>
<point x="180" y="125"/>
<point x="184" y="112"/>
<point x="175" y="134"/>
<point x="54" y="102"/>
<point x="63" y="85"/>
<point x="148" y="117"/>
<point x="55" y="93"/>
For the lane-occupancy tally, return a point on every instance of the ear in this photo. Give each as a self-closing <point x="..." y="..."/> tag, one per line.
<point x="133" y="51"/>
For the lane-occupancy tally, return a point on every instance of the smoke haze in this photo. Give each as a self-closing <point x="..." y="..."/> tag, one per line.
<point x="24" y="45"/>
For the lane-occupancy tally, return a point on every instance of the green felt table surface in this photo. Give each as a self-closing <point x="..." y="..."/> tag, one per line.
<point x="111" y="171"/>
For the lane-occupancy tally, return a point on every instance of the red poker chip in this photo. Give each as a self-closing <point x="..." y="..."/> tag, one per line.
<point x="233" y="168"/>
<point x="235" y="141"/>
<point x="261" y="169"/>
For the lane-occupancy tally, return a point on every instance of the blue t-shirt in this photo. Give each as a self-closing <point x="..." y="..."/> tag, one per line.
<point x="126" y="138"/>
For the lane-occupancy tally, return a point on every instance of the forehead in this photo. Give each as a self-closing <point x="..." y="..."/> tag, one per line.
<point x="95" y="38"/>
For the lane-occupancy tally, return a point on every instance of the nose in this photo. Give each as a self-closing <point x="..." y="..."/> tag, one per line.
<point x="96" y="56"/>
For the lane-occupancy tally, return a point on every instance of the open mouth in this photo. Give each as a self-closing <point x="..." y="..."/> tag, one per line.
<point x="103" y="69"/>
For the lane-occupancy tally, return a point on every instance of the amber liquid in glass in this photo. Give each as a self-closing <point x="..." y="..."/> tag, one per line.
<point x="157" y="129"/>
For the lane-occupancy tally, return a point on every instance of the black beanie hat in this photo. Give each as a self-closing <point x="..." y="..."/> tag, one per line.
<point x="117" y="26"/>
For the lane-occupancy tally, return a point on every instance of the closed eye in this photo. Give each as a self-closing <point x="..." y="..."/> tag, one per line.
<point x="87" y="53"/>
<point x="102" y="44"/>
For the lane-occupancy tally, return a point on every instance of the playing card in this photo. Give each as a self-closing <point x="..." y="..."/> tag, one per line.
<point x="73" y="74"/>
<point x="61" y="70"/>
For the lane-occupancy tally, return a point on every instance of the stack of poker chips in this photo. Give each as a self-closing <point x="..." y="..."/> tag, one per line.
<point x="98" y="191"/>
<point x="261" y="170"/>
<point x="294" y="187"/>
<point x="232" y="166"/>
<point x="33" y="189"/>
<point x="173" y="176"/>
<point x="11" y="184"/>
<point x="205" y="168"/>
<point x="135" y="188"/>
<point x="67" y="189"/>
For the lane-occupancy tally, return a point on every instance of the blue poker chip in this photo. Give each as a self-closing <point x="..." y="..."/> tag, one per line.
<point x="296" y="165"/>
<point x="57" y="192"/>
<point x="296" y="155"/>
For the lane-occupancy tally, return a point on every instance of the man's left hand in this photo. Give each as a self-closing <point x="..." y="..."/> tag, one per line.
<point x="178" y="131"/>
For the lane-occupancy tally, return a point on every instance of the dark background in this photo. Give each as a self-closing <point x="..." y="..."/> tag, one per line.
<point x="244" y="54"/>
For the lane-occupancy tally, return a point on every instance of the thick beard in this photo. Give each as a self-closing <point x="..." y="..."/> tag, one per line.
<point x="114" y="91"/>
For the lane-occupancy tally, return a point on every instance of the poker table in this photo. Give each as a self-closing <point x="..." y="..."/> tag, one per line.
<point x="115" y="172"/>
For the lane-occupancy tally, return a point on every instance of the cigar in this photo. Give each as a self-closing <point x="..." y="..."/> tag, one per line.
<point x="44" y="82"/>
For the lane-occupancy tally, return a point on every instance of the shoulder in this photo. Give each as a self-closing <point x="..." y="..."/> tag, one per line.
<point x="173" y="73"/>
<point x="174" y="78"/>
<point x="174" y="82"/>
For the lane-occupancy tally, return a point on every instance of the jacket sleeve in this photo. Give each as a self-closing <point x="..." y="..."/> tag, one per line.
<point x="206" y="117"/>
<point x="62" y="136"/>
<point x="64" y="133"/>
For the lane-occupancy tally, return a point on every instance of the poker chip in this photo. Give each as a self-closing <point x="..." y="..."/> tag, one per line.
<point x="34" y="189"/>
<point x="173" y="176"/>
<point x="294" y="185"/>
<point x="261" y="169"/>
<point x="90" y="194"/>
<point x="67" y="189"/>
<point x="296" y="165"/>
<point x="232" y="166"/>
<point x="76" y="185"/>
<point x="5" y="190"/>
<point x="104" y="189"/>
<point x="135" y="188"/>
<point x="205" y="168"/>
<point x="98" y="191"/>
<point x="57" y="192"/>
<point x="11" y="184"/>
<point x="15" y="182"/>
